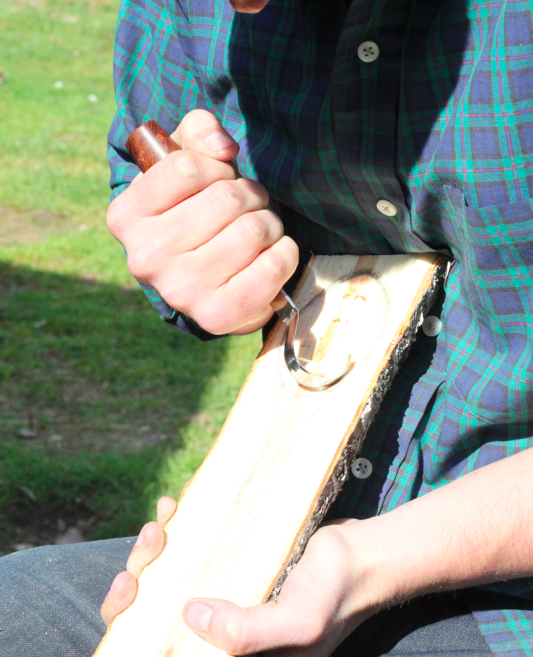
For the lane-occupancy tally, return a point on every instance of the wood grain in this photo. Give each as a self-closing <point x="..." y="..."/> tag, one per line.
<point x="283" y="453"/>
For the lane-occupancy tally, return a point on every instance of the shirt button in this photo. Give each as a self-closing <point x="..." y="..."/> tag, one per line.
<point x="386" y="207"/>
<point x="361" y="468"/>
<point x="432" y="326"/>
<point x="368" y="51"/>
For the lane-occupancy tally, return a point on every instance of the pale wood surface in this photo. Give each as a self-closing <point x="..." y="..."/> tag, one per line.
<point x="240" y="519"/>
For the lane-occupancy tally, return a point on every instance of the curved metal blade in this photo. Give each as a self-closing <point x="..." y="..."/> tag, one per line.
<point x="289" y="314"/>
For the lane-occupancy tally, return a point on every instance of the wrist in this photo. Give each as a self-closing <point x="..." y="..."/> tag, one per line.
<point x="473" y="531"/>
<point x="378" y="579"/>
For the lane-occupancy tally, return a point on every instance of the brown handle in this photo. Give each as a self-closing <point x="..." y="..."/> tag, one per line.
<point x="149" y="144"/>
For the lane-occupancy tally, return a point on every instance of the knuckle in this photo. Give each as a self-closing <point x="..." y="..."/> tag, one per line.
<point x="228" y="195"/>
<point x="275" y="224"/>
<point x="186" y="167"/>
<point x="236" y="642"/>
<point x="274" y="267"/>
<point x="139" y="265"/>
<point x="256" y="189"/>
<point x="255" y="226"/>
<point x="115" y="216"/>
<point x="173" y="294"/>
<point x="290" y="254"/>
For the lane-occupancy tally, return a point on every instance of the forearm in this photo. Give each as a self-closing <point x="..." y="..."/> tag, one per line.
<point x="472" y="531"/>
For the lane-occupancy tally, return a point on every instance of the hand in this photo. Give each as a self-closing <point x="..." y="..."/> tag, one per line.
<point x="148" y="546"/>
<point x="202" y="239"/>
<point x="322" y="600"/>
<point x="474" y="530"/>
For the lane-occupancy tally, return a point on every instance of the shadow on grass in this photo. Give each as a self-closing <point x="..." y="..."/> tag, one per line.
<point x="106" y="390"/>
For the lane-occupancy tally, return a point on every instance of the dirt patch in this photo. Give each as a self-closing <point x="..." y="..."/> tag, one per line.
<point x="29" y="526"/>
<point x="28" y="226"/>
<point x="77" y="436"/>
<point x="72" y="421"/>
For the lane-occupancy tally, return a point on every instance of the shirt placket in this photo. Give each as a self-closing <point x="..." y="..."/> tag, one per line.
<point x="365" y="91"/>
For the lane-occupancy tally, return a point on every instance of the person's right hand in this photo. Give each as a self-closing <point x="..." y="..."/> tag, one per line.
<point x="202" y="239"/>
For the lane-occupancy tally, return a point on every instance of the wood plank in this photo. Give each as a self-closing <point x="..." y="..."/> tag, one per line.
<point x="283" y="453"/>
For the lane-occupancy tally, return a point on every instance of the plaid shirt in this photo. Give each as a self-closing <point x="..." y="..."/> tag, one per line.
<point x="440" y="125"/>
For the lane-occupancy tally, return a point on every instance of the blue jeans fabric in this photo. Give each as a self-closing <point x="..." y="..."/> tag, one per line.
<point x="432" y="626"/>
<point x="50" y="599"/>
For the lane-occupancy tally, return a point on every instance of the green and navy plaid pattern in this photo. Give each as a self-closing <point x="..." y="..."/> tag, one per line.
<point x="441" y="125"/>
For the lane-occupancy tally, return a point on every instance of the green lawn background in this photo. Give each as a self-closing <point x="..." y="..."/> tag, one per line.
<point x="124" y="407"/>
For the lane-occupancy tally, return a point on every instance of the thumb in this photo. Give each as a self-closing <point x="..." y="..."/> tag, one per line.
<point x="247" y="630"/>
<point x="200" y="131"/>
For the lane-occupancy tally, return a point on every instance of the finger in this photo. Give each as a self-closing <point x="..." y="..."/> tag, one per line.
<point x="162" y="243"/>
<point x="248" y="6"/>
<point x="200" y="131"/>
<point x="249" y="293"/>
<point x="175" y="178"/>
<point x="279" y="301"/>
<point x="257" y="323"/>
<point x="166" y="508"/>
<point x="201" y="217"/>
<point x="244" y="299"/>
<point x="149" y="545"/>
<point x="242" y="631"/>
<point x="238" y="245"/>
<point x="121" y="594"/>
<point x="254" y="324"/>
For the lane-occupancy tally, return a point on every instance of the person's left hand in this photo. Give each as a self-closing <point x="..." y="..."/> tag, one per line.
<point x="324" y="598"/>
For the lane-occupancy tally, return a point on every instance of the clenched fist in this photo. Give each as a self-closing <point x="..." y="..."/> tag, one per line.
<point x="202" y="238"/>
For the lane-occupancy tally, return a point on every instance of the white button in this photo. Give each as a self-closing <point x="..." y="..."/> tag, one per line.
<point x="361" y="468"/>
<point x="368" y="51"/>
<point x="432" y="326"/>
<point x="386" y="207"/>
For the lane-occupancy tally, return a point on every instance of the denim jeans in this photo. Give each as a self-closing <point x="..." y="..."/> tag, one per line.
<point x="50" y="599"/>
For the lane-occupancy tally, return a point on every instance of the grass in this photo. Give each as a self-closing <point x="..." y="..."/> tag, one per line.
<point x="123" y="406"/>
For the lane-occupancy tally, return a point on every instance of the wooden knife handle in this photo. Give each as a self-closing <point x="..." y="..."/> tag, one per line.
<point x="149" y="144"/>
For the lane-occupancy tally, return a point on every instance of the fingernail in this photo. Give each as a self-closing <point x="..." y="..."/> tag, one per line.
<point x="217" y="141"/>
<point x="199" y="615"/>
<point x="141" y="537"/>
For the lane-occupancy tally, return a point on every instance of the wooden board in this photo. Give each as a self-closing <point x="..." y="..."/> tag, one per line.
<point x="283" y="453"/>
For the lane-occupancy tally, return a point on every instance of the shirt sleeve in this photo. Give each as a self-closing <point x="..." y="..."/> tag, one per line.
<point x="153" y="80"/>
